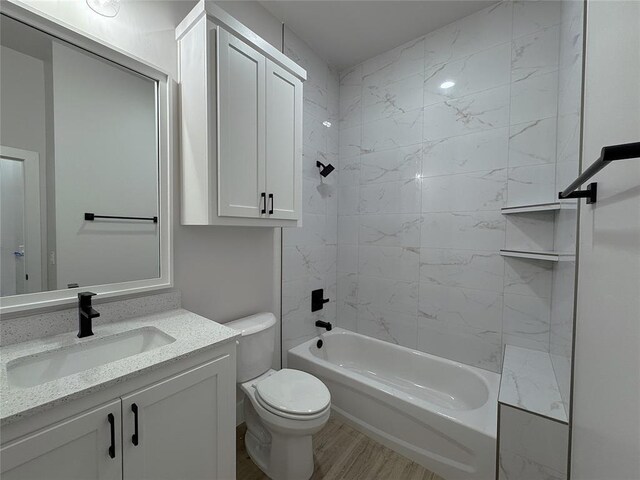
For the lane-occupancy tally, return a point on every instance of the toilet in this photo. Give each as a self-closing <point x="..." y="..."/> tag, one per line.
<point x="282" y="409"/>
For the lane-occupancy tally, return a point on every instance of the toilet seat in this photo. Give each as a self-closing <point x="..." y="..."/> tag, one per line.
<point x="293" y="394"/>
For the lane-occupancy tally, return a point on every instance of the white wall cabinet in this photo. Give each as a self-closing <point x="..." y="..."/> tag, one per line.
<point x="241" y="166"/>
<point x="181" y="427"/>
<point x="241" y="124"/>
<point x="283" y="142"/>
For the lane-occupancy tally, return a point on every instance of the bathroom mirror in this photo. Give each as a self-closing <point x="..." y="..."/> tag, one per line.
<point x="83" y="166"/>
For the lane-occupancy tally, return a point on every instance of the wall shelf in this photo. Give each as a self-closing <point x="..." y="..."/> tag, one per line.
<point x="529" y="383"/>
<point x="534" y="255"/>
<point x="537" y="207"/>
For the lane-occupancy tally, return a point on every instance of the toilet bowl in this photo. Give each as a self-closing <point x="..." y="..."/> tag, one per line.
<point x="279" y="433"/>
<point x="282" y="409"/>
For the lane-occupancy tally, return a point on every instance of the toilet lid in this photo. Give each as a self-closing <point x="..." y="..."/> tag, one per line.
<point x="293" y="391"/>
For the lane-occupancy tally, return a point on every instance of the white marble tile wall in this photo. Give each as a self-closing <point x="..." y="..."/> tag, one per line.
<point x="424" y="172"/>
<point x="310" y="253"/>
<point x="568" y="148"/>
<point x="528" y="382"/>
<point x="532" y="447"/>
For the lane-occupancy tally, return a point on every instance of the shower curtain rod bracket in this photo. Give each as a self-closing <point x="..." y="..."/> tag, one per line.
<point x="608" y="154"/>
<point x="591" y="193"/>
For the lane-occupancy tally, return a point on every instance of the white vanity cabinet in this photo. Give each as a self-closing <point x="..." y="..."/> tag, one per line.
<point x="241" y="125"/>
<point x="173" y="429"/>
<point x="180" y="427"/>
<point x="76" y="448"/>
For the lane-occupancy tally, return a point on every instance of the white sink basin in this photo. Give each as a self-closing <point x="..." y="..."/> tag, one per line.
<point x="55" y="364"/>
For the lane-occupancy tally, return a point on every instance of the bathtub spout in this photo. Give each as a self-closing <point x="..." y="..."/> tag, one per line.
<point x="321" y="324"/>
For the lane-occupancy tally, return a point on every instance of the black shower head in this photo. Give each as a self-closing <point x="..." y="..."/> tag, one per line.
<point x="325" y="169"/>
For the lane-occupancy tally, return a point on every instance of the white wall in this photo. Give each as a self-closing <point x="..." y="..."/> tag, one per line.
<point x="143" y="28"/>
<point x="106" y="162"/>
<point x="606" y="395"/>
<point x="22" y="125"/>
<point x="23" y="102"/>
<point x="257" y="18"/>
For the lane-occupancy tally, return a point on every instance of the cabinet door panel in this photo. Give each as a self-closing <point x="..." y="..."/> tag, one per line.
<point x="75" y="449"/>
<point x="241" y="76"/>
<point x="184" y="427"/>
<point x="283" y="142"/>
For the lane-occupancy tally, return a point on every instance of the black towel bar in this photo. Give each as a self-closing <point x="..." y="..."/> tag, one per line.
<point x="92" y="216"/>
<point x="608" y="154"/>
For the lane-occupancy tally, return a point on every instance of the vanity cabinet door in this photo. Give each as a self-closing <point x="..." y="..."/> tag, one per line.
<point x="84" y="447"/>
<point x="284" y="143"/>
<point x="241" y="76"/>
<point x="183" y="427"/>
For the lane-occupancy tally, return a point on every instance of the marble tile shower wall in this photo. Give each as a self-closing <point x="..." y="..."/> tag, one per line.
<point x="424" y="172"/>
<point x="531" y="446"/>
<point x="567" y="169"/>
<point x="309" y="253"/>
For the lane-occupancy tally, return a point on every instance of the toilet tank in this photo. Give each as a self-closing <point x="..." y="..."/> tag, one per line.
<point x="255" y="345"/>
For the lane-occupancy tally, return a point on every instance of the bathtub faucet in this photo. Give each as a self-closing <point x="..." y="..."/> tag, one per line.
<point x="321" y="324"/>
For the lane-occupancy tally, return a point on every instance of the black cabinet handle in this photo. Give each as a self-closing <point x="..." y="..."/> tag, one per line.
<point x="271" y="202"/>
<point x="134" y="437"/>
<point x="112" y="448"/>
<point x="263" y="201"/>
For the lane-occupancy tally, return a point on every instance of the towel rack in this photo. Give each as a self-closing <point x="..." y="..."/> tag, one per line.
<point x="607" y="154"/>
<point x="92" y="216"/>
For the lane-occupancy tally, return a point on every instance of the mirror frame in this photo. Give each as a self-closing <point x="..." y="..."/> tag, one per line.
<point x="19" y="303"/>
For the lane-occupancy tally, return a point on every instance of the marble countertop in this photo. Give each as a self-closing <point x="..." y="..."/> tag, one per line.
<point x="192" y="334"/>
<point x="529" y="382"/>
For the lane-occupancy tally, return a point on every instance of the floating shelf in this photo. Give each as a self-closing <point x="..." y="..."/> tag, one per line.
<point x="537" y="207"/>
<point x="548" y="256"/>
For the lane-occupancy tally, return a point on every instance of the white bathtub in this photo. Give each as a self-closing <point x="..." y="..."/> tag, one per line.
<point x="440" y="413"/>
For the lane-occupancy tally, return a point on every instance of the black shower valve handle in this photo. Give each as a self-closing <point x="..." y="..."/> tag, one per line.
<point x="318" y="300"/>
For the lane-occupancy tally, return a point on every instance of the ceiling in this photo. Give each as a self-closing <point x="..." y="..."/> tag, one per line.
<point x="345" y="33"/>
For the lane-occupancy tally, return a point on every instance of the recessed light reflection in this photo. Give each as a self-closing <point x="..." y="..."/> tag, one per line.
<point x="447" y="84"/>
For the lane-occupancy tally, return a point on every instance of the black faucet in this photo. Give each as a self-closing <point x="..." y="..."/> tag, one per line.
<point x="85" y="314"/>
<point x="321" y="324"/>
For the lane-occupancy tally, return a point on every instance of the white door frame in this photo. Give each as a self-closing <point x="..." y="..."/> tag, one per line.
<point x="32" y="217"/>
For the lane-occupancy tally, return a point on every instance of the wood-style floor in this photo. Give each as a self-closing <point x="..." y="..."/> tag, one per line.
<point x="341" y="452"/>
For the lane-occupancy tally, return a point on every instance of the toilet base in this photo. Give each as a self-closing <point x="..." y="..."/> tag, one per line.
<point x="286" y="458"/>
<point x="258" y="452"/>
<point x="281" y="453"/>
